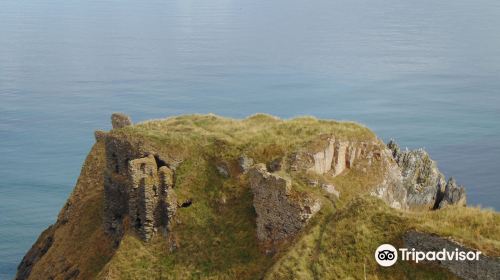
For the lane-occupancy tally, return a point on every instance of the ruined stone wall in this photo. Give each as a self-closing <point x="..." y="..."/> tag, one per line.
<point x="116" y="182"/>
<point x="143" y="192"/>
<point x="279" y="213"/>
<point x="138" y="187"/>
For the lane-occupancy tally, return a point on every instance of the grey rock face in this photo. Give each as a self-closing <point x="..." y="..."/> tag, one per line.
<point x="420" y="175"/>
<point x="453" y="194"/>
<point x="119" y="120"/>
<point x="391" y="188"/>
<point x="424" y="183"/>
<point x="279" y="213"/>
<point x="323" y="160"/>
<point x="337" y="156"/>
<point x="485" y="268"/>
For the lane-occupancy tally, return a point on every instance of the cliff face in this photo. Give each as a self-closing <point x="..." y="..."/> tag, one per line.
<point x="338" y="155"/>
<point x="425" y="184"/>
<point x="76" y="246"/>
<point x="208" y="197"/>
<point x="411" y="179"/>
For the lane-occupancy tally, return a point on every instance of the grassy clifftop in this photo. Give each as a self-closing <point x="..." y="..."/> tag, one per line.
<point x="214" y="237"/>
<point x="262" y="137"/>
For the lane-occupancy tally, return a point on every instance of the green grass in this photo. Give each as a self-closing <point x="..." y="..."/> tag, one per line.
<point x="261" y="137"/>
<point x="341" y="245"/>
<point x="215" y="238"/>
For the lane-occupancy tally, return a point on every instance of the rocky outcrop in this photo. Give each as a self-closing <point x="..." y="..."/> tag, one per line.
<point x="421" y="177"/>
<point x="339" y="155"/>
<point x="36" y="252"/>
<point x="425" y="184"/>
<point x="280" y="212"/>
<point x="453" y="194"/>
<point x="120" y="120"/>
<point x="336" y="156"/>
<point x="323" y="160"/>
<point x="391" y="189"/>
<point x="127" y="190"/>
<point x="486" y="267"/>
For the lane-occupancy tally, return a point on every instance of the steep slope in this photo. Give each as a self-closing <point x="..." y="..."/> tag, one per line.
<point x="207" y="197"/>
<point x="75" y="247"/>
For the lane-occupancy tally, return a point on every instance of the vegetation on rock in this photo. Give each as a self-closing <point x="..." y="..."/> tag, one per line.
<point x="208" y="224"/>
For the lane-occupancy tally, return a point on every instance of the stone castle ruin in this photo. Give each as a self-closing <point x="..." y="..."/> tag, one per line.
<point x="139" y="187"/>
<point x="138" y="190"/>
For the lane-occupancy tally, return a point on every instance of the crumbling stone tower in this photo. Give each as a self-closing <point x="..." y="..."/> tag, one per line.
<point x="148" y="194"/>
<point x="138" y="190"/>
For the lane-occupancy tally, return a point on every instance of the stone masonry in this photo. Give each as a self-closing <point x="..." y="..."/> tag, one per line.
<point x="138" y="188"/>
<point x="280" y="213"/>
<point x="119" y="120"/>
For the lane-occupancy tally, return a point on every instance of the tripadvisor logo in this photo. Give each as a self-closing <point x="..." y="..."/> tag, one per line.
<point x="387" y="255"/>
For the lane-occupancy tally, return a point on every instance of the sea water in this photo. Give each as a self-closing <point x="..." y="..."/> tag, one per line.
<point x="424" y="72"/>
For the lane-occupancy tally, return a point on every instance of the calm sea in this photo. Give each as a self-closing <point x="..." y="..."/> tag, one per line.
<point x="424" y="72"/>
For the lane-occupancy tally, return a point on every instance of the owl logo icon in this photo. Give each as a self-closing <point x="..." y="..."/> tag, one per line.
<point x="386" y="255"/>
